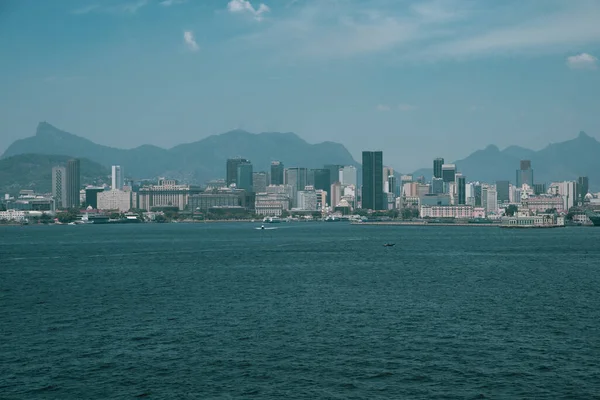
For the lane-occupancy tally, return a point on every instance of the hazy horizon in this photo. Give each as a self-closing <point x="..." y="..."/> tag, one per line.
<point x="418" y="79"/>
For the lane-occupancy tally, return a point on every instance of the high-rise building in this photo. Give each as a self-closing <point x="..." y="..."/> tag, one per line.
<point x="347" y="175"/>
<point x="387" y="172"/>
<point x="478" y="195"/>
<point x="491" y="205"/>
<point x="437" y="186"/>
<point x="437" y="167"/>
<point x="296" y="178"/>
<point x="322" y="180"/>
<point x="461" y="189"/>
<point x="334" y="170"/>
<point x="277" y="173"/>
<point x="393" y="187"/>
<point x="448" y="172"/>
<point x="372" y="182"/>
<point x="259" y="182"/>
<point x="232" y="169"/>
<point x="117" y="177"/>
<point x="583" y="186"/>
<point x="336" y="194"/>
<point x="59" y="186"/>
<point x="503" y="189"/>
<point x="91" y="196"/>
<point x="244" y="179"/>
<point x="525" y="174"/>
<point x="539" y="188"/>
<point x="73" y="183"/>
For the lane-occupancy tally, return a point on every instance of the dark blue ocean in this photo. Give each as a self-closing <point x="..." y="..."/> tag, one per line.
<point x="307" y="311"/>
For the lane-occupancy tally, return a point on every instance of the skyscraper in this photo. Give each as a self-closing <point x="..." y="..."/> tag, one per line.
<point x="277" y="173"/>
<point x="334" y="170"/>
<point x="59" y="186"/>
<point x="259" y="182"/>
<point x="448" y="172"/>
<point x="525" y="174"/>
<point x="73" y="183"/>
<point x="232" y="169"/>
<point x="297" y="179"/>
<point x="461" y="189"/>
<point x="503" y="190"/>
<point x="348" y="175"/>
<point x="392" y="185"/>
<point x="117" y="177"/>
<point x="437" y="186"/>
<point x="583" y="186"/>
<point x="244" y="176"/>
<point x="322" y="181"/>
<point x="437" y="167"/>
<point x="478" y="195"/>
<point x="372" y="174"/>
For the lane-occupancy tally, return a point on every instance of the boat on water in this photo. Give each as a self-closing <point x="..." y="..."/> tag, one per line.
<point x="389" y="245"/>
<point x="271" y="220"/>
<point x="595" y="218"/>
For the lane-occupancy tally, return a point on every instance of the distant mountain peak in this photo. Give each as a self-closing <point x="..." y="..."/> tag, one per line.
<point x="583" y="135"/>
<point x="492" y="148"/>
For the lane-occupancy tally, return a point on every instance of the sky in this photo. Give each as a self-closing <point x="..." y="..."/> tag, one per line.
<point x="416" y="79"/>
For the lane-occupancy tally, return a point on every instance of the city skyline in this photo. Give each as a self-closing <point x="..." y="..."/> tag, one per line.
<point x="447" y="76"/>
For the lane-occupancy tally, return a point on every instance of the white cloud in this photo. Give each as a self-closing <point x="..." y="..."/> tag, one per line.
<point x="168" y="3"/>
<point x="86" y="9"/>
<point x="190" y="41"/>
<point x="131" y="8"/>
<point x="244" y="6"/>
<point x="406" y="107"/>
<point x="582" y="61"/>
<point x="383" y="107"/>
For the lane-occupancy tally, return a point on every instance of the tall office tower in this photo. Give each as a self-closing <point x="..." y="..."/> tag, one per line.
<point x="322" y="181"/>
<point x="503" y="189"/>
<point x="437" y="167"/>
<point x="387" y="171"/>
<point x="583" y="186"/>
<point x="117" y="177"/>
<point x="392" y="185"/>
<point x="492" y="200"/>
<point x="348" y="175"/>
<point x="73" y="183"/>
<point x="477" y="195"/>
<point x="334" y="172"/>
<point x="437" y="186"/>
<point x="232" y="169"/>
<point x="277" y="173"/>
<point x="461" y="189"/>
<point x="448" y="172"/>
<point x="244" y="176"/>
<point x="525" y="174"/>
<point x="59" y="186"/>
<point x="372" y="182"/>
<point x="297" y="179"/>
<point x="260" y="182"/>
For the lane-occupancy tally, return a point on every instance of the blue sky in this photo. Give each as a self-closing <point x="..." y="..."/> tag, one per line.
<point x="417" y="79"/>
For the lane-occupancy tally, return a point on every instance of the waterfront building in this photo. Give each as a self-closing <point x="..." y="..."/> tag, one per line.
<point x="168" y="193"/>
<point x="437" y="185"/>
<point x="220" y="198"/>
<point x="277" y="170"/>
<point x="232" y="169"/>
<point x="456" y="211"/>
<point x="568" y="191"/>
<point x="271" y="204"/>
<point x="73" y="183"/>
<point x="525" y="174"/>
<point x="14" y="215"/>
<point x="28" y="200"/>
<point x="114" y="200"/>
<point x="259" y="182"/>
<point x="321" y="200"/>
<point x="117" y="177"/>
<point x="59" y="186"/>
<point x="437" y="167"/>
<point x="542" y="203"/>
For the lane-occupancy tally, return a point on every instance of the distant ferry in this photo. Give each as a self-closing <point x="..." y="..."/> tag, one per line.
<point x="595" y="218"/>
<point x="271" y="220"/>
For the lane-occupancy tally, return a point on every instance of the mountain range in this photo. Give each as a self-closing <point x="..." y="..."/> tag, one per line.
<point x="556" y="162"/>
<point x="205" y="159"/>
<point x="194" y="162"/>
